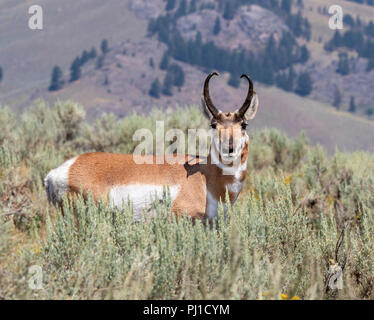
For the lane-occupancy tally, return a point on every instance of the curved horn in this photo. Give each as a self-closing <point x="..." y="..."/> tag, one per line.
<point x="208" y="100"/>
<point x="248" y="100"/>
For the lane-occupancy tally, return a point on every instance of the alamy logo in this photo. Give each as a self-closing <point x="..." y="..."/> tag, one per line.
<point x="336" y="20"/>
<point x="199" y="143"/>
<point x="36" y="20"/>
<point x="36" y="279"/>
<point x="335" y="277"/>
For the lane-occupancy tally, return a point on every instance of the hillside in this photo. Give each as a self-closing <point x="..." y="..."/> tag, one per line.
<point x="323" y="65"/>
<point x="127" y="92"/>
<point x="70" y="26"/>
<point x="123" y="83"/>
<point x="301" y="227"/>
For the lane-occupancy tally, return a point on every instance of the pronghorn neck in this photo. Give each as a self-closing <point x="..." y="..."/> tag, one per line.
<point x="234" y="169"/>
<point x="224" y="178"/>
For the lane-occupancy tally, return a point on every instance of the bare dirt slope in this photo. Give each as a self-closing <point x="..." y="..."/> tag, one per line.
<point x="27" y="57"/>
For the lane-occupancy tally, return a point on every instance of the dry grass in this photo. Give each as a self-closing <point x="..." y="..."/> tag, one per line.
<point x="278" y="240"/>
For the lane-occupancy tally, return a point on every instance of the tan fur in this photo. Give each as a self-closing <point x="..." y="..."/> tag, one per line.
<point x="99" y="172"/>
<point x="198" y="185"/>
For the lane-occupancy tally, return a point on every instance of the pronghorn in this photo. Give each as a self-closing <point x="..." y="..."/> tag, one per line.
<point x="195" y="188"/>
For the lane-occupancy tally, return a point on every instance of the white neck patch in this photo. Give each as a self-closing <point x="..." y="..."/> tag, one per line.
<point x="235" y="187"/>
<point x="235" y="170"/>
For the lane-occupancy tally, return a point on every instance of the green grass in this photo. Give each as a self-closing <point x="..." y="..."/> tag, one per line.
<point x="279" y="238"/>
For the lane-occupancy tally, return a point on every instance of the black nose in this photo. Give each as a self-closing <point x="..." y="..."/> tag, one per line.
<point x="231" y="145"/>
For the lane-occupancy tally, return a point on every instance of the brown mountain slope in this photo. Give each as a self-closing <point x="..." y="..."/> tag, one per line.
<point x="70" y="26"/>
<point x="122" y="86"/>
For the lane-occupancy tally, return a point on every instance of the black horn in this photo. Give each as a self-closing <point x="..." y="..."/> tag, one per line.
<point x="207" y="99"/>
<point x="248" y="100"/>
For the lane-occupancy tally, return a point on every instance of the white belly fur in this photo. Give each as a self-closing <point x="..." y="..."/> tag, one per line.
<point x="141" y="196"/>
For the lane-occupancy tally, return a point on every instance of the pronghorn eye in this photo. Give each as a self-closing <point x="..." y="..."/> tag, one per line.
<point x="214" y="125"/>
<point x="244" y="125"/>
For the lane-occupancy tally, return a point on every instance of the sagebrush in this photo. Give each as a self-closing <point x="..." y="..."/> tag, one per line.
<point x="300" y="212"/>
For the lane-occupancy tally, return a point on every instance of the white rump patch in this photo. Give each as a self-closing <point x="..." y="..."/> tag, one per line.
<point x="56" y="182"/>
<point x="141" y="196"/>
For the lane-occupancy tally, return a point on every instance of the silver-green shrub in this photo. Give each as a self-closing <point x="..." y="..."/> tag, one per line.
<point x="301" y="212"/>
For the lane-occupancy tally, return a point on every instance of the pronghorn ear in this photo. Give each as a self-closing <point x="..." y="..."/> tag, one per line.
<point x="252" y="110"/>
<point x="205" y="110"/>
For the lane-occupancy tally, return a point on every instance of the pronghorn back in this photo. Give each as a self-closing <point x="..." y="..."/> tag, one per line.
<point x="119" y="178"/>
<point x="195" y="186"/>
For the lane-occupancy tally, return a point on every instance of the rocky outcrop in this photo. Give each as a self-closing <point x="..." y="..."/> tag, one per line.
<point x="251" y="27"/>
<point x="358" y="83"/>
<point x="146" y="9"/>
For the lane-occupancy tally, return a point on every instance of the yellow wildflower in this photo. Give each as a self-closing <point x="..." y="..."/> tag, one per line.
<point x="288" y="179"/>
<point x="37" y="249"/>
<point x="330" y="200"/>
<point x="284" y="296"/>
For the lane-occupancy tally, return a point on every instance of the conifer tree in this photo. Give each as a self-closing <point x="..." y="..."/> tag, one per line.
<point x="104" y="46"/>
<point x="343" y="64"/>
<point x="151" y="63"/>
<point x="217" y="26"/>
<point x="304" y="84"/>
<point x="348" y="20"/>
<point x="57" y="81"/>
<point x="352" y="105"/>
<point x="228" y="12"/>
<point x="369" y="112"/>
<point x="267" y="72"/>
<point x="84" y="57"/>
<point x="177" y="74"/>
<point x="369" y="30"/>
<point x="192" y="6"/>
<point x="286" y="5"/>
<point x="286" y="81"/>
<point x="234" y="80"/>
<point x="170" y="5"/>
<point x="100" y="62"/>
<point x="93" y="53"/>
<point x="370" y="65"/>
<point x="155" y="89"/>
<point x="182" y="9"/>
<point x="167" y="88"/>
<point x="337" y="98"/>
<point x="304" y="54"/>
<point x="75" y="70"/>
<point x="290" y="79"/>
<point x="164" y="61"/>
<point x="106" y="81"/>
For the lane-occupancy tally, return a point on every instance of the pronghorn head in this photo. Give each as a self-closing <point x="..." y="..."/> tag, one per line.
<point x="229" y="129"/>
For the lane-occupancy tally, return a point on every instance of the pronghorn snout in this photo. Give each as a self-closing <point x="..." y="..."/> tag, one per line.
<point x="230" y="128"/>
<point x="227" y="141"/>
